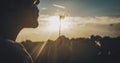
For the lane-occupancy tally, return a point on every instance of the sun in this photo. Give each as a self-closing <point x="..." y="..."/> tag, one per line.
<point x="54" y="24"/>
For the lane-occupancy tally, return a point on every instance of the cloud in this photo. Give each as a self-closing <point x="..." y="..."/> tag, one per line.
<point x="96" y="20"/>
<point x="87" y="20"/>
<point x="59" y="6"/>
<point x="43" y="8"/>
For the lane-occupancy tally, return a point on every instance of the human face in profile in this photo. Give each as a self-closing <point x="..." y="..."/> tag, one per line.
<point x="31" y="14"/>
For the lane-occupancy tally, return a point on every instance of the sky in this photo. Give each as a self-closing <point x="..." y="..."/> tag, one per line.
<point x="83" y="18"/>
<point x="84" y="7"/>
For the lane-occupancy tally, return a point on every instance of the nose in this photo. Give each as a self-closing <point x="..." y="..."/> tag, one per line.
<point x="36" y="2"/>
<point x="36" y="10"/>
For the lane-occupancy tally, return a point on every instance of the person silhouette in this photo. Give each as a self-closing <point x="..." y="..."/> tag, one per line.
<point x="14" y="16"/>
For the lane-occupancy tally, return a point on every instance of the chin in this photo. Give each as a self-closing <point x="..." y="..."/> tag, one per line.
<point x="35" y="25"/>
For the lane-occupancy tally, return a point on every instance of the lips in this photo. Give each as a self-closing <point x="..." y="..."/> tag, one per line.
<point x="35" y="21"/>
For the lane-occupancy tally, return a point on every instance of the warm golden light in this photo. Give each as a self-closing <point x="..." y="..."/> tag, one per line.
<point x="54" y="22"/>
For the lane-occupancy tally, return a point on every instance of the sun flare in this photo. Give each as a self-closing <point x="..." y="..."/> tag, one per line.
<point x="54" y="24"/>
